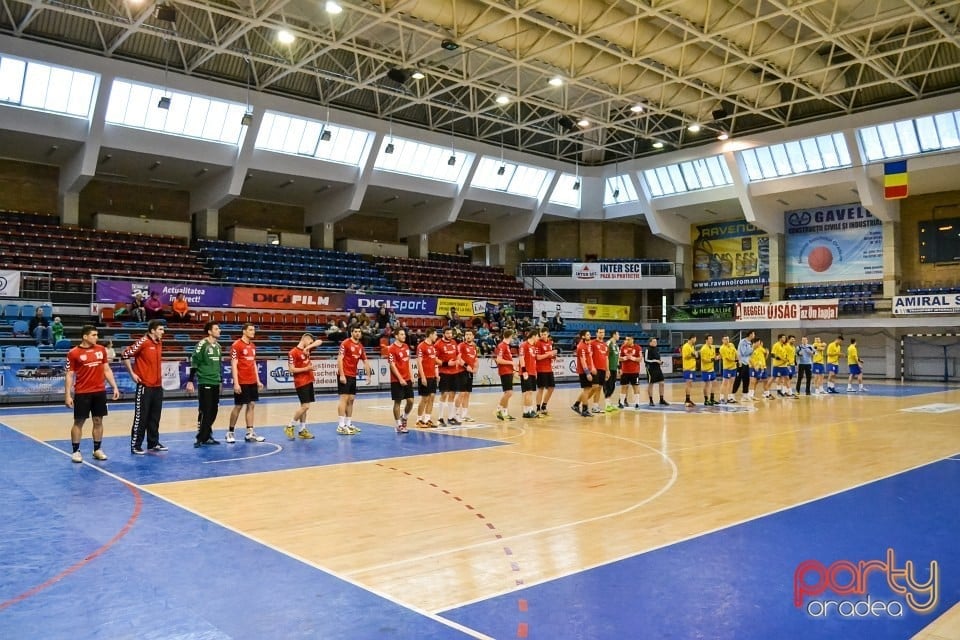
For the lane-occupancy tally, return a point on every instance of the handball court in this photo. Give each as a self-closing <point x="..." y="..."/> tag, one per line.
<point x="651" y="523"/>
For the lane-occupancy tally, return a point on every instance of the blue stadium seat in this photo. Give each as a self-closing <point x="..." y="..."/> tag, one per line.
<point x="63" y="344"/>
<point x="31" y="355"/>
<point x="11" y="311"/>
<point x="27" y="311"/>
<point x="11" y="355"/>
<point x="20" y="328"/>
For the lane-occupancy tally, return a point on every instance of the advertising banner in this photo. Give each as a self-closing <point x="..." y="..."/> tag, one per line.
<point x="325" y="375"/>
<point x="605" y="271"/>
<point x="9" y="284"/>
<point x="729" y="254"/>
<point x="49" y="378"/>
<point x="198" y="295"/>
<point x="403" y="305"/>
<point x="286" y="299"/>
<point x="787" y="310"/>
<point x="921" y="304"/>
<point x="465" y="308"/>
<point x="578" y="311"/>
<point x="833" y="244"/>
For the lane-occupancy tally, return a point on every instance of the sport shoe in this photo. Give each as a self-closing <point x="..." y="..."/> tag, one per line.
<point x="543" y="413"/>
<point x="99" y="455"/>
<point x="442" y="422"/>
<point x="344" y="430"/>
<point x="137" y="451"/>
<point x="230" y="439"/>
<point x="576" y="409"/>
<point x="469" y="419"/>
<point x="863" y="389"/>
<point x="253" y="437"/>
<point x="305" y="434"/>
<point x="210" y="441"/>
<point x="585" y="414"/>
<point x="850" y="390"/>
<point x="509" y="417"/>
<point x="76" y="456"/>
<point x="651" y="404"/>
<point x="158" y="447"/>
<point x="664" y="402"/>
<point x="454" y="422"/>
<point x="689" y="403"/>
<point x="610" y="409"/>
<point x="288" y="431"/>
<point x="401" y="428"/>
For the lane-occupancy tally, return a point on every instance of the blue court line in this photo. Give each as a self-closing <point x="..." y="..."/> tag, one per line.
<point x="174" y="574"/>
<point x="184" y="462"/>
<point x="737" y="583"/>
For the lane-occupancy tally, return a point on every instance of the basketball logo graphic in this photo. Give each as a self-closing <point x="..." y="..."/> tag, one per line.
<point x="820" y="259"/>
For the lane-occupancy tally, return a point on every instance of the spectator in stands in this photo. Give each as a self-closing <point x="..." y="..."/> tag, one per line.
<point x="40" y="327"/>
<point x="393" y="319"/>
<point x="383" y="317"/>
<point x="453" y="318"/>
<point x="181" y="309"/>
<point x="111" y="352"/>
<point x="544" y="321"/>
<point x="137" y="309"/>
<point x="352" y="319"/>
<point x="57" y="329"/>
<point x="154" y="306"/>
<point x="556" y="324"/>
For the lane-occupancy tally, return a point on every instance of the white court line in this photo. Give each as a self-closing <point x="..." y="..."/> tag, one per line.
<point x="309" y="563"/>
<point x="501" y="541"/>
<point x="259" y="455"/>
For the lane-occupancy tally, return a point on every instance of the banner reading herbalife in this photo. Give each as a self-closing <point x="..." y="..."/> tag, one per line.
<point x="838" y="243"/>
<point x="730" y="254"/>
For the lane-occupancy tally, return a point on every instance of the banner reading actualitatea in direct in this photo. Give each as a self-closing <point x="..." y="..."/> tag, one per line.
<point x="729" y="254"/>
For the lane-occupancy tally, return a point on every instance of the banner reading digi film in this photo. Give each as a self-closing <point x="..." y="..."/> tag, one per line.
<point x="833" y="244"/>
<point x="286" y="299"/>
<point x="9" y="284"/>
<point x="729" y="254"/>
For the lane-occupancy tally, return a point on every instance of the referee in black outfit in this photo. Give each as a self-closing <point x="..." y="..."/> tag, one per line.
<point x="744" y="351"/>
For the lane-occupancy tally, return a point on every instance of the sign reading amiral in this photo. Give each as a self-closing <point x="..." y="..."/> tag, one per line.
<point x="919" y="304"/>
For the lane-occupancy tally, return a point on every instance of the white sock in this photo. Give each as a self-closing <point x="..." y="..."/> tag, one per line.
<point x="303" y="426"/>
<point x="341" y="421"/>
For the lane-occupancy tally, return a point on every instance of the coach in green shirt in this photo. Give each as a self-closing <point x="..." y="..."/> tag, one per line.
<point x="206" y="364"/>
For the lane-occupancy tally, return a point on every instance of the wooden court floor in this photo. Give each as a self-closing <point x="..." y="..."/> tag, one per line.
<point x="562" y="493"/>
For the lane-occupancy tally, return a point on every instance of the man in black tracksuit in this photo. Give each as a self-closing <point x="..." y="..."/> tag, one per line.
<point x="147" y="373"/>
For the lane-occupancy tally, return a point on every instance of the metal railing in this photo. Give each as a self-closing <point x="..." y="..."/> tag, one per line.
<point x="565" y="269"/>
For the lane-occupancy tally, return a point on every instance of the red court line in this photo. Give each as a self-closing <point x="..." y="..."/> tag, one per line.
<point x="137" y="507"/>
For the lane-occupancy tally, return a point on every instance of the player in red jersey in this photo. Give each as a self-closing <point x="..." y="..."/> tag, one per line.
<point x="586" y="372"/>
<point x="598" y="351"/>
<point x="506" y="368"/>
<point x="528" y="372"/>
<point x="147" y="372"/>
<point x="468" y="356"/>
<point x="302" y="369"/>
<point x="246" y="383"/>
<point x="546" y="354"/>
<point x="88" y="365"/>
<point x="351" y="353"/>
<point x="448" y="353"/>
<point x="401" y="382"/>
<point x="630" y="357"/>
<point x="427" y="366"/>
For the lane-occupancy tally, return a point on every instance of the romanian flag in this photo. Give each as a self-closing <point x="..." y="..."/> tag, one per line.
<point x="895" y="180"/>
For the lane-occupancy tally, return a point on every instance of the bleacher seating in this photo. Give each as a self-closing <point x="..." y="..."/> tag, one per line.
<point x="276" y="265"/>
<point x="38" y="243"/>
<point x="855" y="297"/>
<point x="459" y="280"/>
<point x="933" y="290"/>
<point x="725" y="296"/>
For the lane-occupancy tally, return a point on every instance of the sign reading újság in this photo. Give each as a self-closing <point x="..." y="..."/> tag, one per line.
<point x="787" y="310"/>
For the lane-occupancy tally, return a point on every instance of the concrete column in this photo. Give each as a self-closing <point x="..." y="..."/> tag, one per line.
<point x="418" y="245"/>
<point x="498" y="254"/>
<point x="892" y="272"/>
<point x="69" y="208"/>
<point x="891" y="357"/>
<point x="778" y="263"/>
<point x="321" y="235"/>
<point x="684" y="260"/>
<point x="207" y="223"/>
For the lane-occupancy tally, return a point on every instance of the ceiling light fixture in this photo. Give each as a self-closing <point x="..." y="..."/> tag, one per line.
<point x="694" y="128"/>
<point x="576" y="177"/>
<point x="452" y="160"/>
<point x="325" y="133"/>
<point x="658" y="145"/>
<point x="418" y="75"/>
<point x="449" y="45"/>
<point x="247" y="118"/>
<point x="285" y="36"/>
<point x="583" y="122"/>
<point x="164" y="103"/>
<point x="637" y="108"/>
<point x="503" y="99"/>
<point x="333" y="8"/>
<point x="389" y="148"/>
<point x="502" y="169"/>
<point x="555" y="81"/>
<point x="723" y="136"/>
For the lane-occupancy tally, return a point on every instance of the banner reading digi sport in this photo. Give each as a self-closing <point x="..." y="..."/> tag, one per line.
<point x="837" y="243"/>
<point x="729" y="254"/>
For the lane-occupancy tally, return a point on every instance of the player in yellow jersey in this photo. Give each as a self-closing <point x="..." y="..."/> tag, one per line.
<point x="790" y="351"/>
<point x="688" y="356"/>
<point x="758" y="368"/>
<point x="708" y="356"/>
<point x="833" y="363"/>
<point x="778" y="356"/>
<point x="855" y="364"/>
<point x="818" y="365"/>
<point x="728" y="368"/>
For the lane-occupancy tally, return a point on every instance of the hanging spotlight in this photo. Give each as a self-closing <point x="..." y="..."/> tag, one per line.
<point x="637" y="108"/>
<point x="555" y="81"/>
<point x="247" y="119"/>
<point x="503" y="99"/>
<point x="164" y="103"/>
<point x="285" y="37"/>
<point x="449" y="45"/>
<point x="389" y="148"/>
<point x="694" y="128"/>
<point x="723" y="136"/>
<point x="333" y="8"/>
<point x="658" y="145"/>
<point x="576" y="186"/>
<point x="418" y="75"/>
<point x="325" y="135"/>
<point x="502" y="170"/>
<point x="616" y="193"/>
<point x="583" y="122"/>
<point x="452" y="160"/>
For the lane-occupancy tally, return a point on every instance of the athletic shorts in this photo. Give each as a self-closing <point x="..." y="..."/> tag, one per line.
<point x="399" y="392"/>
<point x="708" y="376"/>
<point x="600" y="378"/>
<point x="781" y="372"/>
<point x="855" y="370"/>
<point x="792" y="371"/>
<point x="545" y="380"/>
<point x="817" y="368"/>
<point x="448" y="382"/>
<point x="528" y="384"/>
<point x="758" y="374"/>
<point x="584" y="383"/>
<point x="306" y="394"/>
<point x="465" y="383"/>
<point x="654" y="374"/>
<point x="348" y="388"/>
<point x="248" y="393"/>
<point x="629" y="379"/>
<point x="89" y="404"/>
<point x="729" y="373"/>
<point x="833" y="368"/>
<point x="506" y="382"/>
<point x="689" y="375"/>
<point x="427" y="389"/>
